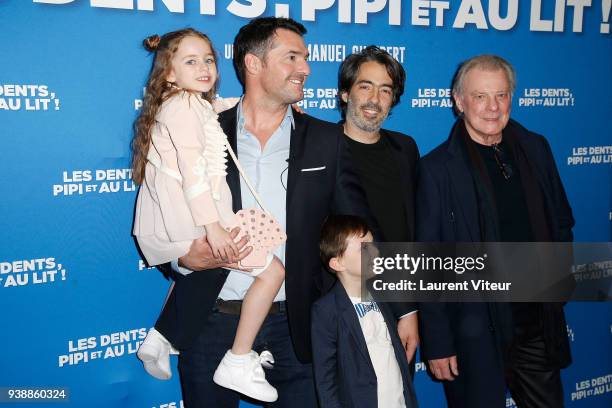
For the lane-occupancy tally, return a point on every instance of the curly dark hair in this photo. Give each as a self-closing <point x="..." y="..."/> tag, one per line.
<point x="349" y="70"/>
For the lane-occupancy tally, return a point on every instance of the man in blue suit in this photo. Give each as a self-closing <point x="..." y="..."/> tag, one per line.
<point x="359" y="360"/>
<point x="493" y="180"/>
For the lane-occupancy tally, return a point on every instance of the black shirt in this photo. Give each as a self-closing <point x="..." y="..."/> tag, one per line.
<point x="380" y="178"/>
<point x="512" y="212"/>
<point x="513" y="221"/>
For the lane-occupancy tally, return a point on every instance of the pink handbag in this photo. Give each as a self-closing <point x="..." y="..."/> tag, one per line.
<point x="265" y="233"/>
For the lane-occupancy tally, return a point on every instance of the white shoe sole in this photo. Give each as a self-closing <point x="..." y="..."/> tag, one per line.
<point x="153" y="369"/>
<point x="150" y="359"/>
<point x="224" y="382"/>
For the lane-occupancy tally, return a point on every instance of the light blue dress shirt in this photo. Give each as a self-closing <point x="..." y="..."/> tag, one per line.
<point x="267" y="171"/>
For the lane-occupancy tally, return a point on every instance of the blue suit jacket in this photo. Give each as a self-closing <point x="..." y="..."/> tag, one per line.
<point x="344" y="374"/>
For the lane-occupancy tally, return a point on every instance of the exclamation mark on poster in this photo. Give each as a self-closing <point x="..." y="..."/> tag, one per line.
<point x="63" y="271"/>
<point x="55" y="101"/>
<point x="605" y="12"/>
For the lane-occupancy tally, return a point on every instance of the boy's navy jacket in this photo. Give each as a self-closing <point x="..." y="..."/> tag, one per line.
<point x="344" y="373"/>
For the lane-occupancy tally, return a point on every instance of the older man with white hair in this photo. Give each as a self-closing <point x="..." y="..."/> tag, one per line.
<point x="493" y="181"/>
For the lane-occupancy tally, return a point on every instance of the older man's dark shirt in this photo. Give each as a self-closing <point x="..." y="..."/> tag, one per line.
<point x="513" y="221"/>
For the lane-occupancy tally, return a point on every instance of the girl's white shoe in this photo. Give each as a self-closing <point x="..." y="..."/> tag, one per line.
<point x="244" y="374"/>
<point x="154" y="352"/>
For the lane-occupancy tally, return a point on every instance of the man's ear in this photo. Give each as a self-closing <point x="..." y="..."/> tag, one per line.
<point x="458" y="101"/>
<point x="344" y="96"/>
<point x="252" y="64"/>
<point x="336" y="264"/>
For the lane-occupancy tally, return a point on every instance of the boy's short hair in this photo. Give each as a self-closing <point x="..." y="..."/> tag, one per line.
<point x="336" y="230"/>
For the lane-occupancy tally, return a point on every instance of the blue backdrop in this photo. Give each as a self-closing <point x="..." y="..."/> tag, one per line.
<point x="75" y="295"/>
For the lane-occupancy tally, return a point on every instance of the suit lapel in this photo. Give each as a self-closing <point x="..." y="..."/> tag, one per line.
<point x="228" y="121"/>
<point x="462" y="185"/>
<point x="296" y="151"/>
<point x="350" y="321"/>
<point x="407" y="178"/>
<point x="530" y="150"/>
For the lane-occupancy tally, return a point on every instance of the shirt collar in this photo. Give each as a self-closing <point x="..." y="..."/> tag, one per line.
<point x="288" y="120"/>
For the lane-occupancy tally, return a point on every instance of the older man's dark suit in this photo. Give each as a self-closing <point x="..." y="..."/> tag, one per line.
<point x="447" y="211"/>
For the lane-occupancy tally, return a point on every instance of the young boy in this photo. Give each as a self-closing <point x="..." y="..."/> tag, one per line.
<point x="358" y="357"/>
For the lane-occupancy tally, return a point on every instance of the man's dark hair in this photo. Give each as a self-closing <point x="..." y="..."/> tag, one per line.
<point x="257" y="38"/>
<point x="350" y="69"/>
<point x="336" y="230"/>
